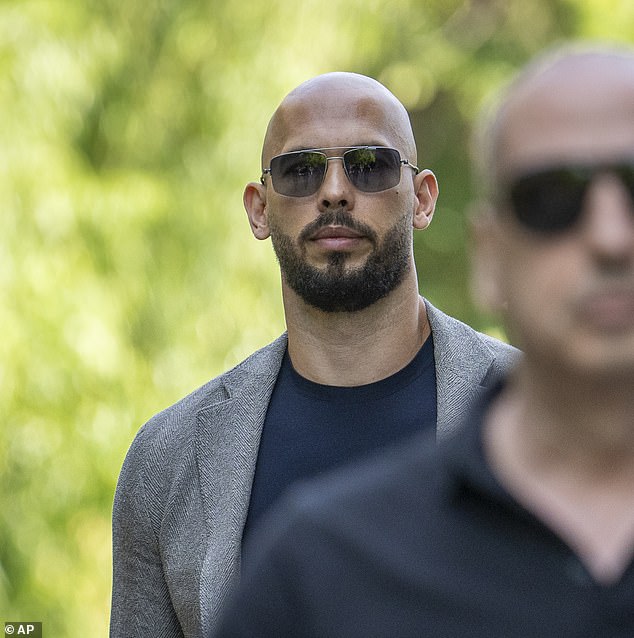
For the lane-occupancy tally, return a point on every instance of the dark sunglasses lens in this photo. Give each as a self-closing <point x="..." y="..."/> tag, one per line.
<point x="298" y="174"/>
<point x="549" y="201"/>
<point x="373" y="169"/>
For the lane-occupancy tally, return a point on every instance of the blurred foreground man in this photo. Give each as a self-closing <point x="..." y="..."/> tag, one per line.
<point x="523" y="526"/>
<point x="366" y="360"/>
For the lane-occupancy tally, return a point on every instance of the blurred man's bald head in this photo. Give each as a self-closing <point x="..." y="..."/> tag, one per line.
<point x="561" y="90"/>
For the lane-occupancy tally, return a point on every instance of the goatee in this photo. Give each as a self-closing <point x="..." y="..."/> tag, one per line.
<point x="337" y="287"/>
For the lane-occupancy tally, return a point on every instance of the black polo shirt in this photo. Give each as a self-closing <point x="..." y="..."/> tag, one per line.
<point x="424" y="542"/>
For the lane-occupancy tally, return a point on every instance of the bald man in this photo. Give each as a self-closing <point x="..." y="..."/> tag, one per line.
<point x="365" y="361"/>
<point x="522" y="526"/>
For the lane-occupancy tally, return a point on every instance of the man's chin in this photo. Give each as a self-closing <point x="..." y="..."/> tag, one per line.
<point x="340" y="260"/>
<point x="339" y="294"/>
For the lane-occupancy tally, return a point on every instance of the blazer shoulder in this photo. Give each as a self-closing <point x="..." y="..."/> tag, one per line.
<point x="449" y="329"/>
<point x="168" y="438"/>
<point x="462" y="349"/>
<point x="505" y="353"/>
<point x="264" y="362"/>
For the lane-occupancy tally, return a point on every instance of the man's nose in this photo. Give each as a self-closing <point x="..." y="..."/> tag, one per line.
<point x="336" y="191"/>
<point x="608" y="220"/>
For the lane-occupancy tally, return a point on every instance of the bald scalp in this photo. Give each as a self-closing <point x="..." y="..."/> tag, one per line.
<point x="558" y="81"/>
<point x="334" y="95"/>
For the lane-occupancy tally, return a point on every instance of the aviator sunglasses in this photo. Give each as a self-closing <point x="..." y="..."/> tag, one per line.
<point x="550" y="201"/>
<point x="369" y="168"/>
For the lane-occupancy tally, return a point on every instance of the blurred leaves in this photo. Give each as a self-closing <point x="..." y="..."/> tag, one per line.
<point x="128" y="273"/>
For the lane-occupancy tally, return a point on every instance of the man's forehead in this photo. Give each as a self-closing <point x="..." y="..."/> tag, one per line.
<point x="579" y="108"/>
<point x="336" y="110"/>
<point x="313" y="111"/>
<point x="332" y="104"/>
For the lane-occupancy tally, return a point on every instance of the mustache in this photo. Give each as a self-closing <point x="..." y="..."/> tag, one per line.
<point x="337" y="217"/>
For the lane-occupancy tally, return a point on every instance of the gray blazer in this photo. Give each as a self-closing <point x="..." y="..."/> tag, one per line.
<point x="183" y="493"/>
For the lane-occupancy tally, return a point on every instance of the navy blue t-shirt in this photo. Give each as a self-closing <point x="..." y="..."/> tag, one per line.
<point x="311" y="428"/>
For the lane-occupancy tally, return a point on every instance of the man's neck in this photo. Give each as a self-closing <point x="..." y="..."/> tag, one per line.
<point x="356" y="348"/>
<point x="573" y="418"/>
<point x="566" y="452"/>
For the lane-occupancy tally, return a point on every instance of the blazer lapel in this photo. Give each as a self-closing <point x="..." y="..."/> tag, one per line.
<point x="462" y="363"/>
<point x="228" y="436"/>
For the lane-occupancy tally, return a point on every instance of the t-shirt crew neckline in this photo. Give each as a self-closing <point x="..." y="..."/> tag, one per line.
<point x="421" y="362"/>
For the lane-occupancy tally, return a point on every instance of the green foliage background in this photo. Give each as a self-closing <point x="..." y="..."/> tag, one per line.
<point x="128" y="275"/>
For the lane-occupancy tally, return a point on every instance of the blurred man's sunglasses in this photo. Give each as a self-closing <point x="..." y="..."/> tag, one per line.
<point x="550" y="201"/>
<point x="369" y="168"/>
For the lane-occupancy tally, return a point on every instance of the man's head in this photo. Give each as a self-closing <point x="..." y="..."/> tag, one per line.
<point x="557" y="251"/>
<point x="341" y="228"/>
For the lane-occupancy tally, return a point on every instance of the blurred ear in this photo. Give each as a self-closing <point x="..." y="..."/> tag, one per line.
<point x="254" y="199"/>
<point x="487" y="251"/>
<point x="426" y="193"/>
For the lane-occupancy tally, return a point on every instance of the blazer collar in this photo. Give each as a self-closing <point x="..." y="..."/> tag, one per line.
<point x="228" y="432"/>
<point x="463" y="361"/>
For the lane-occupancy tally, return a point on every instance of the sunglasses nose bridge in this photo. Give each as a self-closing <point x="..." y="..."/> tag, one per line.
<point x="335" y="189"/>
<point x="335" y="158"/>
<point x="340" y="172"/>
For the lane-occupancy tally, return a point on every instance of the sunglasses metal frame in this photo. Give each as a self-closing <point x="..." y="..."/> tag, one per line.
<point x="320" y="151"/>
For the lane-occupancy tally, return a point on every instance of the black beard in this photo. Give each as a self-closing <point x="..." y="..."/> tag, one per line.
<point x="337" y="288"/>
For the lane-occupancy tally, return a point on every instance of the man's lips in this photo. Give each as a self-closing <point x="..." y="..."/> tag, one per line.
<point x="336" y="232"/>
<point x="611" y="310"/>
<point x="336" y="237"/>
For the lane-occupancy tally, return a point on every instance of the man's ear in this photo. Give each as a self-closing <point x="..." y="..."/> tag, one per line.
<point x="426" y="193"/>
<point x="487" y="265"/>
<point x="254" y="199"/>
